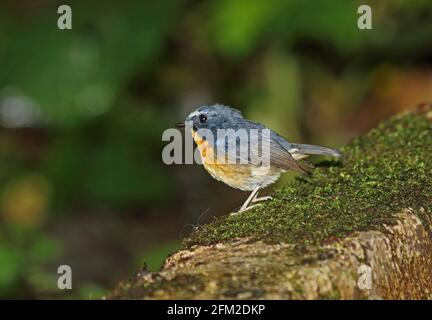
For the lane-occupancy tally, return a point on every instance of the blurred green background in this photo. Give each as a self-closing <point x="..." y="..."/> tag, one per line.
<point x="82" y="113"/>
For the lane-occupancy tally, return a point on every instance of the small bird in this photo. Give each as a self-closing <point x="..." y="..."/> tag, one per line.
<point x="243" y="174"/>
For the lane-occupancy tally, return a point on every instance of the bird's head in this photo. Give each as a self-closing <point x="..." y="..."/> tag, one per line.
<point x="211" y="117"/>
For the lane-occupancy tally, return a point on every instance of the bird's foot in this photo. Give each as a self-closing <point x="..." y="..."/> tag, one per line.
<point x="260" y="199"/>
<point x="244" y="209"/>
<point x="266" y="198"/>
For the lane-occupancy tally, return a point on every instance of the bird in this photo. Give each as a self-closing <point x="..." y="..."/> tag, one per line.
<point x="240" y="170"/>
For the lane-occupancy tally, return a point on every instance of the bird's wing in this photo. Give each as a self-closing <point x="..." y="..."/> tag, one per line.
<point x="281" y="157"/>
<point x="262" y="145"/>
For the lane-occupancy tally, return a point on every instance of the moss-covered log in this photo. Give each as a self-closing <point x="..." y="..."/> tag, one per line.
<point x="368" y="215"/>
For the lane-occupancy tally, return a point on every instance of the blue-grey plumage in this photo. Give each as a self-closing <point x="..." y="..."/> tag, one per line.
<point x="245" y="173"/>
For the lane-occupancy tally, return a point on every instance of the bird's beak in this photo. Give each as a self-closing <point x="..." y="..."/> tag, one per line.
<point x="180" y="125"/>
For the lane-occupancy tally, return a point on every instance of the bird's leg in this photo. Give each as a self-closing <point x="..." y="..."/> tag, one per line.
<point x="245" y="207"/>
<point x="258" y="199"/>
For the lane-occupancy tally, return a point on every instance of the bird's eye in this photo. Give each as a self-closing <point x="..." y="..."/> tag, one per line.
<point x="202" y="118"/>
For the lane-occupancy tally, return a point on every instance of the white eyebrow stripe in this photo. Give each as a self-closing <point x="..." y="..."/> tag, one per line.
<point x="194" y="113"/>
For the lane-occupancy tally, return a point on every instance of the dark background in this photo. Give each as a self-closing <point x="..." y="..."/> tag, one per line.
<point x="82" y="113"/>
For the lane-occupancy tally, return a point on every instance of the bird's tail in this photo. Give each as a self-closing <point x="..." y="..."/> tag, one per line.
<point x="308" y="149"/>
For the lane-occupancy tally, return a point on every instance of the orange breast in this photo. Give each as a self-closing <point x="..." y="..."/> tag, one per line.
<point x="205" y="149"/>
<point x="231" y="174"/>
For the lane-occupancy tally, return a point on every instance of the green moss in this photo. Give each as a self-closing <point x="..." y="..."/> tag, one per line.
<point x="380" y="173"/>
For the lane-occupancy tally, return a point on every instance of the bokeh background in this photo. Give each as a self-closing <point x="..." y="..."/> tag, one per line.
<point x="82" y="113"/>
